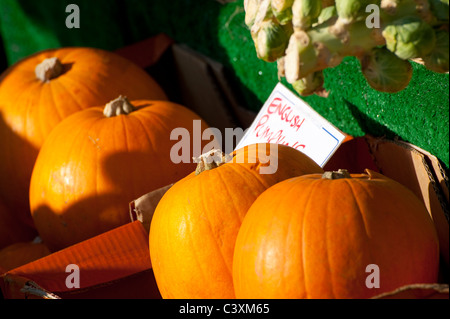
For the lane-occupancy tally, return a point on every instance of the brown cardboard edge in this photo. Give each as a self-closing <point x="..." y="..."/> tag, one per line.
<point x="429" y="161"/>
<point x="429" y="189"/>
<point x="435" y="165"/>
<point x="143" y="208"/>
<point x="417" y="291"/>
<point x="199" y="88"/>
<point x="29" y="289"/>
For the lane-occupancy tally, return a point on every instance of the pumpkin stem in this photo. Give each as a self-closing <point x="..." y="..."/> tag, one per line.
<point x="119" y="106"/>
<point x="341" y="173"/>
<point x="210" y="160"/>
<point x="48" y="69"/>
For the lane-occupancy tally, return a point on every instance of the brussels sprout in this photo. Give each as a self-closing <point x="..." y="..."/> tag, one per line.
<point x="353" y="10"/>
<point x="437" y="60"/>
<point x="385" y="72"/>
<point x="282" y="10"/>
<point x="305" y="13"/>
<point x="310" y="84"/>
<point x="326" y="14"/>
<point x="271" y="39"/>
<point x="409" y="38"/>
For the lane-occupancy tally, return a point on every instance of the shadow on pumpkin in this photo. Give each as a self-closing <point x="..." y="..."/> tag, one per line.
<point x="79" y="221"/>
<point x="123" y="177"/>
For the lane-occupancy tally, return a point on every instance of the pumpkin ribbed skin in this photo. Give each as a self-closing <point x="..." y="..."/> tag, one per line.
<point x="195" y="224"/>
<point x="31" y="108"/>
<point x="310" y="237"/>
<point x="91" y="166"/>
<point x="22" y="253"/>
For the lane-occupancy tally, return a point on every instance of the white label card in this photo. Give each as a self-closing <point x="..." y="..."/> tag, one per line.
<point x="287" y="119"/>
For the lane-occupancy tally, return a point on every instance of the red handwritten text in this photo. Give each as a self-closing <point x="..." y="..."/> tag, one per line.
<point x="286" y="114"/>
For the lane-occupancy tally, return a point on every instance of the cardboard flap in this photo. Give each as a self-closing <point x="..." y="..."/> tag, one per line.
<point x="200" y="90"/>
<point x="147" y="52"/>
<point x="410" y="166"/>
<point x="119" y="253"/>
<point x="353" y="155"/>
<point x="142" y="209"/>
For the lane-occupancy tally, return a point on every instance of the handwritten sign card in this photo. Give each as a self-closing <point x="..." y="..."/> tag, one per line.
<point x="287" y="119"/>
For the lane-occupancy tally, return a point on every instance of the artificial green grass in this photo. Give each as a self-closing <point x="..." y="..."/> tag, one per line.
<point x="419" y="114"/>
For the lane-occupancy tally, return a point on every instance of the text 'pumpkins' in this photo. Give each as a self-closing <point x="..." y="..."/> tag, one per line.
<point x="98" y="160"/>
<point x="334" y="236"/>
<point x="39" y="91"/>
<point x="194" y="226"/>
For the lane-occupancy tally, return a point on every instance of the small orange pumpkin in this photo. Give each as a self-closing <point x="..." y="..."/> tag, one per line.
<point x="334" y="236"/>
<point x="39" y="91"/>
<point x="98" y="160"/>
<point x="22" y="253"/>
<point x="194" y="226"/>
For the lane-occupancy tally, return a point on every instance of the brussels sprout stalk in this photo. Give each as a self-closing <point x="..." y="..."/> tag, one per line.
<point x="319" y="48"/>
<point x="251" y="9"/>
<point x="305" y="37"/>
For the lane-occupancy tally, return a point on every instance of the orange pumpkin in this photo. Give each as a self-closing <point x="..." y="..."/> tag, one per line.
<point x="98" y="160"/>
<point x="22" y="253"/>
<point x="336" y="236"/>
<point x="194" y="226"/>
<point x="13" y="230"/>
<point x="41" y="90"/>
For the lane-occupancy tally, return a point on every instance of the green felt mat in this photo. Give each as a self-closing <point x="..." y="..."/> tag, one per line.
<point x="418" y="114"/>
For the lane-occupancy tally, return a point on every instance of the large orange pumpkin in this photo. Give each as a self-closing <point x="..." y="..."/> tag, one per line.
<point x="13" y="230"/>
<point x="98" y="160"/>
<point x="39" y="91"/>
<point x="336" y="236"/>
<point x="22" y="253"/>
<point x="194" y="226"/>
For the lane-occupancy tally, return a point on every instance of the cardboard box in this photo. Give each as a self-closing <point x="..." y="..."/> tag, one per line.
<point x="117" y="264"/>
